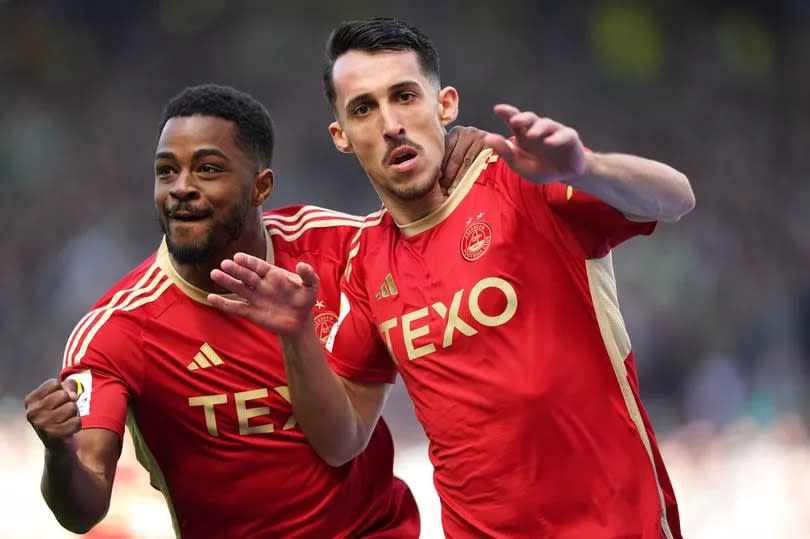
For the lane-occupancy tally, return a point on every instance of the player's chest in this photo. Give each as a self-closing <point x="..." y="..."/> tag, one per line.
<point x="443" y="288"/>
<point x="197" y="352"/>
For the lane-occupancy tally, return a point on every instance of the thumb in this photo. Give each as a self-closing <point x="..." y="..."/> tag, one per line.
<point x="72" y="387"/>
<point x="504" y="148"/>
<point x="308" y="276"/>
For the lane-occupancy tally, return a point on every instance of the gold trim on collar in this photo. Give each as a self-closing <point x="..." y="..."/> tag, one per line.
<point x="455" y="198"/>
<point x="164" y="260"/>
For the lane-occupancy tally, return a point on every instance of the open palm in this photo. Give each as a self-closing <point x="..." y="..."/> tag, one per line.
<point x="272" y="297"/>
<point x="543" y="150"/>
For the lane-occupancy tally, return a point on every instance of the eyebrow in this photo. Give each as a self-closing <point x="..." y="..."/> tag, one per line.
<point x="367" y="96"/>
<point x="203" y="152"/>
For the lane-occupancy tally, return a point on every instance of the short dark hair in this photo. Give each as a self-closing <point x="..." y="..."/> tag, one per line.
<point x="254" y="128"/>
<point x="377" y="35"/>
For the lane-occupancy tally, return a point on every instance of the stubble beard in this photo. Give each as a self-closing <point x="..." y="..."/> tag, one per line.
<point x="209" y="248"/>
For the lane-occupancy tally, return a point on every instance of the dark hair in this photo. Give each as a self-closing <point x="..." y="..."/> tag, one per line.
<point x="377" y="35"/>
<point x="254" y="129"/>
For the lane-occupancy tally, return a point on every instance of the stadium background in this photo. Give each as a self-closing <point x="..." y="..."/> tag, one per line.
<point x="718" y="306"/>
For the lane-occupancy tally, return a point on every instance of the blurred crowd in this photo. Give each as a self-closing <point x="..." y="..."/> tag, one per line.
<point x="718" y="305"/>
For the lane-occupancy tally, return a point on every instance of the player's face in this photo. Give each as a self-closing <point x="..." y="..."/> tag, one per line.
<point x="202" y="187"/>
<point x="392" y="116"/>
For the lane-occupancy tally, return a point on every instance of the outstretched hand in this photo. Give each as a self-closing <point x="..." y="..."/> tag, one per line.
<point x="272" y="297"/>
<point x="543" y="150"/>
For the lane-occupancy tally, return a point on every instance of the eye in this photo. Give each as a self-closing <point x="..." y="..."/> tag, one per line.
<point x="405" y="97"/>
<point x="208" y="168"/>
<point x="163" y="171"/>
<point x="361" y="110"/>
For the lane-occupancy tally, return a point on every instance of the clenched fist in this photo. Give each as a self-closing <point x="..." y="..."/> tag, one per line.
<point x="52" y="411"/>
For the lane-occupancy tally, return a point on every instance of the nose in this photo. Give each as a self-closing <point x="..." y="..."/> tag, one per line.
<point x="392" y="124"/>
<point x="183" y="187"/>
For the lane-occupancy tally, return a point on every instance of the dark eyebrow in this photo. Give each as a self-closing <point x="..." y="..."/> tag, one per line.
<point x="357" y="100"/>
<point x="204" y="152"/>
<point x="404" y="85"/>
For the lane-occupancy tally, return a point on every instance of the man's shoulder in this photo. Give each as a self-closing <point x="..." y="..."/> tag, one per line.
<point x="141" y="278"/>
<point x="311" y="228"/>
<point x="120" y="312"/>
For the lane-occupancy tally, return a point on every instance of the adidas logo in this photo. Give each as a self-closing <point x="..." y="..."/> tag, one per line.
<point x="388" y="288"/>
<point x="205" y="358"/>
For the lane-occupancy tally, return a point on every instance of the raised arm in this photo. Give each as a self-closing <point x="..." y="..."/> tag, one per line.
<point x="545" y="150"/>
<point x="337" y="415"/>
<point x="79" y="464"/>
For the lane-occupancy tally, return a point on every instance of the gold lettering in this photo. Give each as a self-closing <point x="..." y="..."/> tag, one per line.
<point x="243" y="413"/>
<point x="440" y="308"/>
<point x="284" y="391"/>
<point x="410" y="334"/>
<point x="384" y="328"/>
<point x="455" y="322"/>
<point x="508" y="292"/>
<point x="208" y="402"/>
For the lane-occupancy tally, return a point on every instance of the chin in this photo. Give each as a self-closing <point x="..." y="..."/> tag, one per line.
<point x="191" y="252"/>
<point x="416" y="187"/>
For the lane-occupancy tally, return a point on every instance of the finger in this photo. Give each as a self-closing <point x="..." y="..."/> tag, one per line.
<point x="450" y="141"/>
<point x="230" y="283"/>
<point x="65" y="429"/>
<point x="55" y="399"/>
<point x="562" y="137"/>
<point x="246" y="275"/>
<point x="505" y="111"/>
<point x="72" y="387"/>
<point x="257" y="265"/>
<point x="45" y="388"/>
<point x="227" y="305"/>
<point x="65" y="412"/>
<point x="543" y="127"/>
<point x="523" y="120"/>
<point x="474" y="149"/>
<point x="502" y="147"/>
<point x="308" y="276"/>
<point x="452" y="160"/>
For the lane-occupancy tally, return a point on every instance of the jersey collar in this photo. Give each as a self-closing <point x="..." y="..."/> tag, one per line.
<point x="455" y="198"/>
<point x="198" y="294"/>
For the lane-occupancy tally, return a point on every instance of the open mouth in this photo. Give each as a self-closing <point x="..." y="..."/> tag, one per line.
<point x="402" y="157"/>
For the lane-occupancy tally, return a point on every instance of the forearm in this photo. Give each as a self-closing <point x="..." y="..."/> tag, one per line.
<point x="636" y="186"/>
<point x="78" y="496"/>
<point x="321" y="402"/>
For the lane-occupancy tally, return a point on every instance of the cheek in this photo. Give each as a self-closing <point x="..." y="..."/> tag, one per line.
<point x="160" y="195"/>
<point x="367" y="148"/>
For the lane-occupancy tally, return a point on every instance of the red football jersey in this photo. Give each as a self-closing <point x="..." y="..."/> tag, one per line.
<point x="205" y="396"/>
<point x="500" y="312"/>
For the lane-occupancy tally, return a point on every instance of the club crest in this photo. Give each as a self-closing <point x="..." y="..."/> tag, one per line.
<point x="323" y="324"/>
<point x="475" y="240"/>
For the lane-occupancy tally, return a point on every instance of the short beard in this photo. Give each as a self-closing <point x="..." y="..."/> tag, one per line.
<point x="415" y="192"/>
<point x="208" y="250"/>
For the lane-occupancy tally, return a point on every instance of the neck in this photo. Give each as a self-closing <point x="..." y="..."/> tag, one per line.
<point x="253" y="242"/>
<point x="410" y="210"/>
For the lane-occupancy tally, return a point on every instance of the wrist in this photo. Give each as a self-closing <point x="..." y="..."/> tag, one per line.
<point x="59" y="451"/>
<point x="303" y="332"/>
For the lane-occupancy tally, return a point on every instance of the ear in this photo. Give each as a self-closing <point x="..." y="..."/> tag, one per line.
<point x="448" y="105"/>
<point x="340" y="139"/>
<point x="262" y="187"/>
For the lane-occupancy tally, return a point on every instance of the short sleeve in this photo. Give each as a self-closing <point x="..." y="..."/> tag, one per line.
<point x="355" y="348"/>
<point x="596" y="226"/>
<point x="98" y="361"/>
